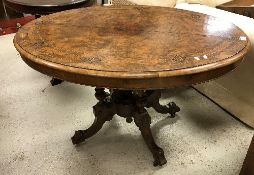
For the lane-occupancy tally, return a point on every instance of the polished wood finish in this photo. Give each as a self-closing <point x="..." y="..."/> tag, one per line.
<point x="131" y="50"/>
<point x="241" y="7"/>
<point x="131" y="47"/>
<point x="42" y="7"/>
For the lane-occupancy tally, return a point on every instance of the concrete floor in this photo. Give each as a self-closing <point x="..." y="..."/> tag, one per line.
<point x="38" y="120"/>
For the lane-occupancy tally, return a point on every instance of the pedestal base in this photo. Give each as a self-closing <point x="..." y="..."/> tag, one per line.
<point x="130" y="105"/>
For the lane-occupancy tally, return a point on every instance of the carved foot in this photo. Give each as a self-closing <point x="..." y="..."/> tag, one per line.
<point x="78" y="137"/>
<point x="153" y="101"/>
<point x="55" y="81"/>
<point x="173" y="109"/>
<point x="103" y="111"/>
<point x="143" y="121"/>
<point x="159" y="158"/>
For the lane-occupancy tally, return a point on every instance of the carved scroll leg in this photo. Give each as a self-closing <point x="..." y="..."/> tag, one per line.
<point x="153" y="101"/>
<point x="170" y="108"/>
<point x="103" y="112"/>
<point x="55" y="81"/>
<point x="173" y="109"/>
<point x="143" y="121"/>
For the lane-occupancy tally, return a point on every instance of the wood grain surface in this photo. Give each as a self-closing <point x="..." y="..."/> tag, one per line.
<point x="136" y="47"/>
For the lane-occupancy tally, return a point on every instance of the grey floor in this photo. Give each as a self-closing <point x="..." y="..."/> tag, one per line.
<point x="38" y="120"/>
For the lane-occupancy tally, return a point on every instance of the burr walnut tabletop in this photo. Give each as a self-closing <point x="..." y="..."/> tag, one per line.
<point x="137" y="47"/>
<point x="133" y="51"/>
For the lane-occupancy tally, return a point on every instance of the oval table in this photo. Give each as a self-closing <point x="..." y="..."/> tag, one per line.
<point x="134" y="52"/>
